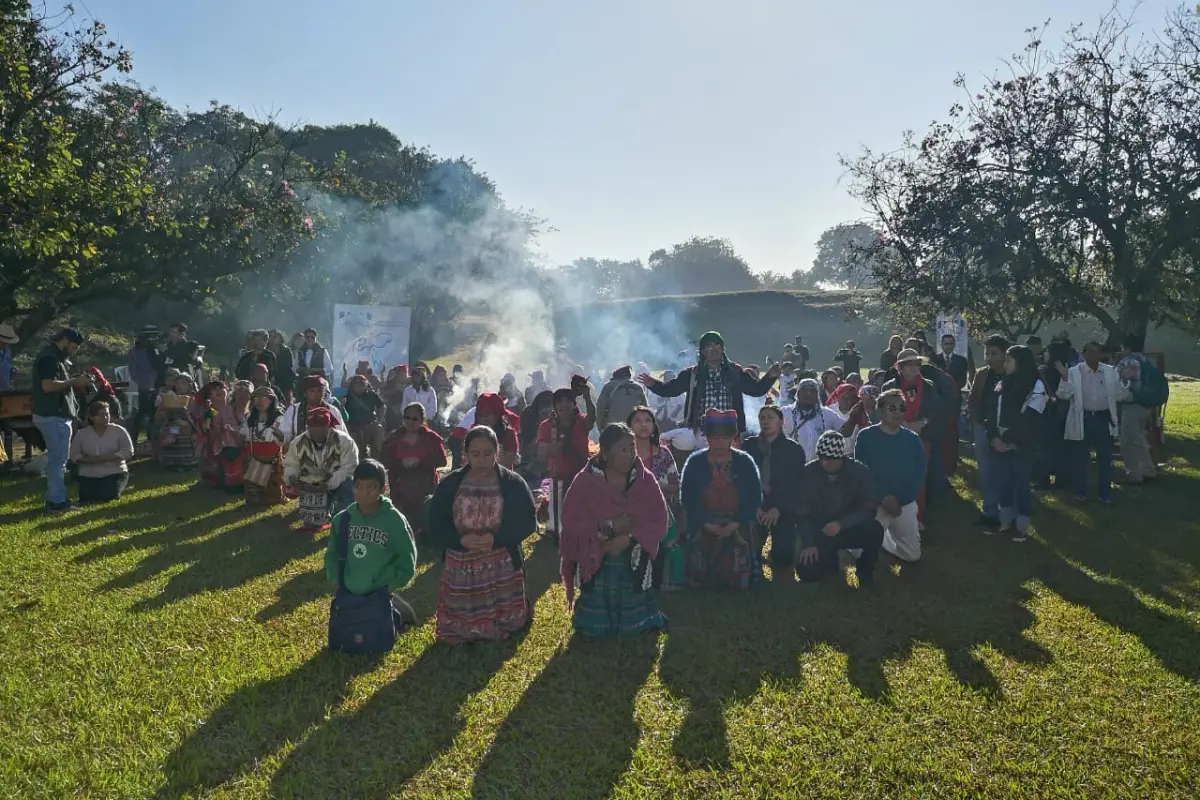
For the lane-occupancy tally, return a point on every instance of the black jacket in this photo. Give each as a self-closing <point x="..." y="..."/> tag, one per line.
<point x="517" y="522"/>
<point x="956" y="369"/>
<point x="245" y="366"/>
<point x="183" y="356"/>
<point x="849" y="498"/>
<point x="737" y="379"/>
<point x="787" y="471"/>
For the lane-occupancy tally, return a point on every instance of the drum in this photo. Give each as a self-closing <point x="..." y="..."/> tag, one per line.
<point x="314" y="508"/>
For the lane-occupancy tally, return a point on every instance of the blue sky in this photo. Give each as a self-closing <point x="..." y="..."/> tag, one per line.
<point x="628" y="125"/>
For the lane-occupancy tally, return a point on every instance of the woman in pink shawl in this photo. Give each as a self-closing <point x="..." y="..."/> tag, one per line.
<point x="613" y="519"/>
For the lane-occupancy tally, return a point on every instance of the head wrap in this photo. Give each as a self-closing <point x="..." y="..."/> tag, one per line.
<point x="808" y="383"/>
<point x="717" y="422"/>
<point x="245" y="386"/>
<point x="314" y="382"/>
<point x="842" y="391"/>
<point x="870" y="390"/>
<point x="711" y="336"/>
<point x="320" y="416"/>
<point x="262" y="391"/>
<point x="489" y="404"/>
<point x="101" y="382"/>
<point x="831" y="445"/>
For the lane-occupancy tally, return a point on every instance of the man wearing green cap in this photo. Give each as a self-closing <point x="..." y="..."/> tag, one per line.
<point x="713" y="382"/>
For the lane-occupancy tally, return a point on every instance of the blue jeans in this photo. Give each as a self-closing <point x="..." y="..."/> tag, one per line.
<point x="989" y="485"/>
<point x="342" y="496"/>
<point x="1014" y="469"/>
<point x="1096" y="436"/>
<point x="57" y="433"/>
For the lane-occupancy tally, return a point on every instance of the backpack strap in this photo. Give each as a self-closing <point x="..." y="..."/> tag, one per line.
<point x="343" y="546"/>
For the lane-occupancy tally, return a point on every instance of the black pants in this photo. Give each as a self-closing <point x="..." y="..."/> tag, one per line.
<point x="101" y="490"/>
<point x="783" y="542"/>
<point x="866" y="535"/>
<point x="145" y="410"/>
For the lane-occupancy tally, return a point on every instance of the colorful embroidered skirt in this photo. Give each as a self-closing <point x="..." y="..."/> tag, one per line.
<point x="611" y="605"/>
<point x="481" y="597"/>
<point x="713" y="562"/>
<point x="176" y="448"/>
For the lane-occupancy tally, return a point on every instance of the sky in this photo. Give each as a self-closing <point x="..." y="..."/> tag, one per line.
<point x="628" y="126"/>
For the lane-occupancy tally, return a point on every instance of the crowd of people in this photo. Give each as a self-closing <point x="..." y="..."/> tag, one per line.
<point x="695" y="478"/>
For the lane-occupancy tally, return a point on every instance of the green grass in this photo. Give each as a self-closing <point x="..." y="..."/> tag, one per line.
<point x="172" y="646"/>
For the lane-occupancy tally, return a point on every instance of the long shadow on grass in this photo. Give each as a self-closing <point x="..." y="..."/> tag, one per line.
<point x="967" y="591"/>
<point x="254" y="722"/>
<point x="397" y="733"/>
<point x="573" y="732"/>
<point x="229" y="559"/>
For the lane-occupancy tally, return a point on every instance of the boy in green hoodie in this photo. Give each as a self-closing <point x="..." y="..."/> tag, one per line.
<point x="380" y="550"/>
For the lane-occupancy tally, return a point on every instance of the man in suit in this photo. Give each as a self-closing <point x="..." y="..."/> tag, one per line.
<point x="951" y="362"/>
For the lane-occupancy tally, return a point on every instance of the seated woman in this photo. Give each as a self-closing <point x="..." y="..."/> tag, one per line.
<point x="101" y="450"/>
<point x="614" y="520"/>
<point x="721" y="494"/>
<point x="413" y="454"/>
<point x="479" y="515"/>
<point x="319" y="465"/>
<point x="225" y="442"/>
<point x="669" y="566"/>
<point x="780" y="467"/>
<point x="176" y="433"/>
<point x="264" y="449"/>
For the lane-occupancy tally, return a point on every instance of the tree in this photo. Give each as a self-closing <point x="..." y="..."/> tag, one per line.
<point x="121" y="196"/>
<point x="844" y="257"/>
<point x="701" y="265"/>
<point x="1067" y="187"/>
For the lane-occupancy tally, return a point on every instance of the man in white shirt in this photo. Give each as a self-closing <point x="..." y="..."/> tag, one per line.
<point x="1093" y="388"/>
<point x="805" y="420"/>
<point x="419" y="391"/>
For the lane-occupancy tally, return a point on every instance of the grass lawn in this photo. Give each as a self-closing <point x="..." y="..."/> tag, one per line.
<point x="172" y="646"/>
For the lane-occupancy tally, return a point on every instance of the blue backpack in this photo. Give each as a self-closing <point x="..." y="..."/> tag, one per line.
<point x="1152" y="390"/>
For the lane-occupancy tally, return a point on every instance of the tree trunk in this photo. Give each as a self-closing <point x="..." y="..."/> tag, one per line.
<point x="29" y="327"/>
<point x="1133" y="317"/>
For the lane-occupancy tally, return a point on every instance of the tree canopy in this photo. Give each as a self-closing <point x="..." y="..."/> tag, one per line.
<point x="1066" y="186"/>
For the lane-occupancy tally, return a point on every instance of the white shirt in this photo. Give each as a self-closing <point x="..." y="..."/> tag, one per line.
<point x="806" y="433"/>
<point x="1095" y="396"/>
<point x="427" y="397"/>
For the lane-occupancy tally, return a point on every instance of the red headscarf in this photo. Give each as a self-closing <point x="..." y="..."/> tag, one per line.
<point x="320" y="416"/>
<point x="842" y="390"/>
<point x="314" y="382"/>
<point x="101" y="382"/>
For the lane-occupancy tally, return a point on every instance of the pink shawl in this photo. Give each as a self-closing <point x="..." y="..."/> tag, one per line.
<point x="590" y="501"/>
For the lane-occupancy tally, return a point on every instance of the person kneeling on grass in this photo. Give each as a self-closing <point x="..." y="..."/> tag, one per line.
<point x="479" y="515"/>
<point x="897" y="462"/>
<point x="101" y="451"/>
<point x="371" y="556"/>
<point x="614" y="520"/>
<point x="319" y="465"/>
<point x="837" y="512"/>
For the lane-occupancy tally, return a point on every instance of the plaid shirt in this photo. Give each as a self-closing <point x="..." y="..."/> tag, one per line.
<point x="714" y="391"/>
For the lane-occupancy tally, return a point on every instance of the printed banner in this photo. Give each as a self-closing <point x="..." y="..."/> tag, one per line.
<point x="378" y="334"/>
<point x="952" y="323"/>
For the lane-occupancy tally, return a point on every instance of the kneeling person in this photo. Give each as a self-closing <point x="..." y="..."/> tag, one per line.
<point x="371" y="556"/>
<point x="319" y="465"/>
<point x="897" y="462"/>
<point x="837" y="512"/>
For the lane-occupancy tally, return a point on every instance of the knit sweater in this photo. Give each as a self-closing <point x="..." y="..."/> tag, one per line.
<point x="697" y="475"/>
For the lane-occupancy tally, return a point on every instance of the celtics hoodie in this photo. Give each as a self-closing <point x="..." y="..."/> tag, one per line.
<point x="380" y="551"/>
